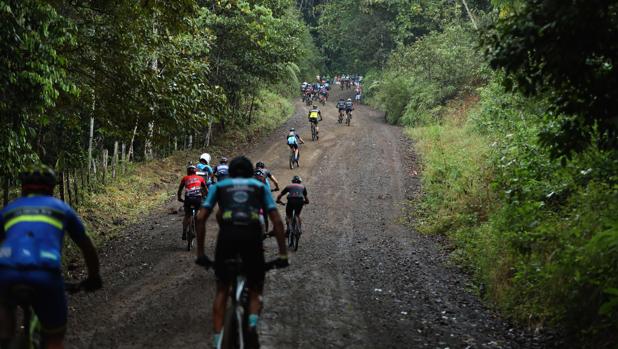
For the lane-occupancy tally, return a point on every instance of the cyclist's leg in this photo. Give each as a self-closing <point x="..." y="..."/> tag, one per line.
<point x="50" y="305"/>
<point x="253" y="255"/>
<point x="7" y="313"/>
<point x="225" y="249"/>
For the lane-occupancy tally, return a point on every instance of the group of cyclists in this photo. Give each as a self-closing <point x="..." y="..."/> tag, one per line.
<point x="317" y="91"/>
<point x="32" y="229"/>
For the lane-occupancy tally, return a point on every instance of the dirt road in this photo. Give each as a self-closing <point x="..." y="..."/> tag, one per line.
<point x="359" y="279"/>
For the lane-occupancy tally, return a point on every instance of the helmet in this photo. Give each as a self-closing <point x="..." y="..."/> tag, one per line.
<point x="205" y="157"/>
<point x="292" y="129"/>
<point x="349" y="99"/>
<point x="223" y="160"/>
<point x="38" y="179"/>
<point x="241" y="167"/>
<point x="260" y="164"/>
<point x="315" y="106"/>
<point x="341" y="99"/>
<point x="297" y="179"/>
<point x="191" y="169"/>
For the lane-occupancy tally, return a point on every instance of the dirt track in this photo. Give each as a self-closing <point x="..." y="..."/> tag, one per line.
<point x="359" y="279"/>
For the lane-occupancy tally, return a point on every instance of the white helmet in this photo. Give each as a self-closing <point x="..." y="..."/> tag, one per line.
<point x="205" y="157"/>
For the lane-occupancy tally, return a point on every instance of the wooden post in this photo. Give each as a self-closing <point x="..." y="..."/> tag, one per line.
<point x="130" y="153"/>
<point x="115" y="159"/>
<point x="104" y="164"/>
<point x="67" y="178"/>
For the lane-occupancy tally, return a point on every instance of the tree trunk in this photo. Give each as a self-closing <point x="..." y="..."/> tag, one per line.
<point x="5" y="185"/>
<point x="75" y="187"/>
<point x="91" y="135"/>
<point x="115" y="159"/>
<point x="104" y="164"/>
<point x="470" y="15"/>
<point x="175" y="143"/>
<point x="148" y="142"/>
<point x="123" y="158"/>
<point x="190" y="142"/>
<point x="67" y="178"/>
<point x="130" y="153"/>
<point x="61" y="186"/>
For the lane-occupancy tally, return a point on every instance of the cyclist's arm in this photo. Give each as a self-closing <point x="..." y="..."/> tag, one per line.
<point x="77" y="233"/>
<point x="283" y="192"/>
<point x="270" y="175"/>
<point x="275" y="218"/>
<point x="180" y="187"/>
<point x="202" y="216"/>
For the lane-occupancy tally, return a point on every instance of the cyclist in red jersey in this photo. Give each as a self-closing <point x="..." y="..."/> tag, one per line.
<point x="195" y="189"/>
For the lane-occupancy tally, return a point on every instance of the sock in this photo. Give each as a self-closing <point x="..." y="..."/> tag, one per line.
<point x="217" y="338"/>
<point x="253" y="320"/>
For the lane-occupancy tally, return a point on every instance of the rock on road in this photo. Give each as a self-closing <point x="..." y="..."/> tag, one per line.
<point x="358" y="280"/>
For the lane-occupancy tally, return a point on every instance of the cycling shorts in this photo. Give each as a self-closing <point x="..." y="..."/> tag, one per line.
<point x="251" y="250"/>
<point x="313" y="120"/>
<point x="49" y="303"/>
<point x="294" y="206"/>
<point x="192" y="202"/>
<point x="293" y="146"/>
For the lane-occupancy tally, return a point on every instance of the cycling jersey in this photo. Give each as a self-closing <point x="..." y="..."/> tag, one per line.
<point x="32" y="231"/>
<point x="341" y="105"/>
<point x="314" y="114"/>
<point x="292" y="139"/>
<point x="222" y="171"/>
<point x="349" y="105"/>
<point x="296" y="192"/>
<point x="240" y="201"/>
<point x="262" y="175"/>
<point x="207" y="170"/>
<point x="193" y="186"/>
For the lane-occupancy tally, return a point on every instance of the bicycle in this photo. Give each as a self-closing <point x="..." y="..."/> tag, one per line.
<point x="31" y="337"/>
<point x="191" y="232"/>
<point x="348" y="117"/>
<point x="314" y="132"/>
<point x="340" y="120"/>
<point x="294" y="159"/>
<point x="236" y="319"/>
<point x="294" y="229"/>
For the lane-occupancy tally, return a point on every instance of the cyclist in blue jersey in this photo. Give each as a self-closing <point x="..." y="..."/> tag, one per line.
<point x="204" y="169"/>
<point x="240" y="198"/>
<point x="222" y="170"/>
<point x="293" y="140"/>
<point x="32" y="230"/>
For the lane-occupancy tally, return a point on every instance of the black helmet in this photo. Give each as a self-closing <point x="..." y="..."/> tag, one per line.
<point x="292" y="129"/>
<point x="315" y="106"/>
<point x="38" y="179"/>
<point x="240" y="167"/>
<point x="297" y="179"/>
<point x="191" y="169"/>
<point x="260" y="164"/>
<point x="223" y="160"/>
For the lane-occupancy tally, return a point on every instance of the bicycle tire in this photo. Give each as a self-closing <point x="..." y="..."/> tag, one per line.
<point x="347" y="121"/>
<point x="191" y="234"/>
<point x="230" y="330"/>
<point x="291" y="232"/>
<point x="296" y="233"/>
<point x="314" y="134"/>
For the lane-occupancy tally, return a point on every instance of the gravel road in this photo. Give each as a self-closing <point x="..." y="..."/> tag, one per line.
<point x="358" y="280"/>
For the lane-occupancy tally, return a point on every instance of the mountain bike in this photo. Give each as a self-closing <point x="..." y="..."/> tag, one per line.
<point x="30" y="335"/>
<point x="340" y="120"/>
<point x="348" y="117"/>
<point x="236" y="320"/>
<point x="293" y="159"/>
<point x="294" y="230"/>
<point x="323" y="99"/>
<point x="314" y="132"/>
<point x="191" y="234"/>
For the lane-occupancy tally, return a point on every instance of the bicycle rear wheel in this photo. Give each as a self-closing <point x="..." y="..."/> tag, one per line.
<point x="297" y="232"/>
<point x="313" y="132"/>
<point x="291" y="233"/>
<point x="230" y="339"/>
<point x="191" y="233"/>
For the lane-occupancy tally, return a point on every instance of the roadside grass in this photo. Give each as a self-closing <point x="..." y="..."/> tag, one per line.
<point x="148" y="185"/>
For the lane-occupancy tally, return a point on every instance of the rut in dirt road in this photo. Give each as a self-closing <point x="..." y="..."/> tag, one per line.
<point x="358" y="280"/>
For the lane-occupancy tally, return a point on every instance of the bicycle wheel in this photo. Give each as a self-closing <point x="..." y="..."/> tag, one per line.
<point x="230" y="339"/>
<point x="191" y="233"/>
<point x="313" y="132"/>
<point x="292" y="161"/>
<point x="347" y="121"/>
<point x="297" y="232"/>
<point x="291" y="233"/>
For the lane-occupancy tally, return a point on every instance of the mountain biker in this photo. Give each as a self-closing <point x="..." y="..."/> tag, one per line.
<point x="341" y="106"/>
<point x="324" y="92"/>
<point x="264" y="175"/>
<point x="293" y="140"/>
<point x="204" y="169"/>
<point x="240" y="198"/>
<point x="195" y="189"/>
<point x="222" y="170"/>
<point x="349" y="106"/>
<point x="315" y="116"/>
<point x="297" y="197"/>
<point x="32" y="230"/>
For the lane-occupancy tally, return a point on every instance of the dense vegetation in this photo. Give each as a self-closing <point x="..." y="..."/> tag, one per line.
<point x="92" y="84"/>
<point x="513" y="108"/>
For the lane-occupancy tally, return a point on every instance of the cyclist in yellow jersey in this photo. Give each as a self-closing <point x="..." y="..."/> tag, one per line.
<point x="315" y="116"/>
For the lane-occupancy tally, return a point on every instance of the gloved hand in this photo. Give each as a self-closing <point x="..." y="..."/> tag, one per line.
<point x="203" y="261"/>
<point x="282" y="262"/>
<point x="92" y="283"/>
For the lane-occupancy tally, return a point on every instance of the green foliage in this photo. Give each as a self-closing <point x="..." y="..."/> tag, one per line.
<point x="565" y="52"/>
<point x="420" y="78"/>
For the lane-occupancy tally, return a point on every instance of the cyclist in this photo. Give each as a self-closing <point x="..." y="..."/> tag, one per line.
<point x="195" y="189"/>
<point x="341" y="106"/>
<point x="222" y="170"/>
<point x="240" y="198"/>
<point x="32" y="230"/>
<point x="323" y="93"/>
<point x="264" y="175"/>
<point x="349" y="106"/>
<point x="204" y="169"/>
<point x="315" y="116"/>
<point x="297" y="197"/>
<point x="293" y="140"/>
